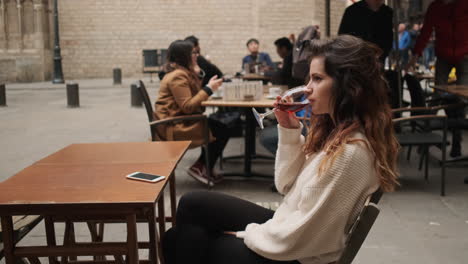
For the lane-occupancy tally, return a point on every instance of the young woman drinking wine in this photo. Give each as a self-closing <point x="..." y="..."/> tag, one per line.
<point x="325" y="177"/>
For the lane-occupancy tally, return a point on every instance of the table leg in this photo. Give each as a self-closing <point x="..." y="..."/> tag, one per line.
<point x="8" y="239"/>
<point x="172" y="194"/>
<point x="249" y="148"/>
<point x="50" y="234"/>
<point x="153" y="236"/>
<point x="96" y="229"/>
<point x="68" y="240"/>
<point x="132" y="240"/>
<point x="161" y="215"/>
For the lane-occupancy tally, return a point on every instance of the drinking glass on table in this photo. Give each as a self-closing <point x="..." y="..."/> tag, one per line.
<point x="293" y="100"/>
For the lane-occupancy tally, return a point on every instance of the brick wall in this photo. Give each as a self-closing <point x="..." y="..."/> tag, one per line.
<point x="99" y="35"/>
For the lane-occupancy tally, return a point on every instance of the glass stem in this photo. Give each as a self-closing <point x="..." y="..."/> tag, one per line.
<point x="268" y="112"/>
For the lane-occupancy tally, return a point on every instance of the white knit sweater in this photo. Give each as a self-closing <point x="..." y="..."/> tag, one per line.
<point x="314" y="218"/>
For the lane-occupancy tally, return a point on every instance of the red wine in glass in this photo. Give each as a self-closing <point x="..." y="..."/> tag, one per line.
<point x="292" y="101"/>
<point x="292" y="107"/>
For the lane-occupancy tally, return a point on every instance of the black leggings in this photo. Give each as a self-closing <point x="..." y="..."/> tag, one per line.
<point x="198" y="237"/>
<point x="215" y="148"/>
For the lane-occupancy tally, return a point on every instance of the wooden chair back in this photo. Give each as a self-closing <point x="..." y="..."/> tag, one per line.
<point x="146" y="100"/>
<point x="360" y="229"/>
<point x="375" y="197"/>
<point x="149" y="108"/>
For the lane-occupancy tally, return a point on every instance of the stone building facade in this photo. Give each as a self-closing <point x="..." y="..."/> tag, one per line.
<point x="99" y="35"/>
<point x="25" y="40"/>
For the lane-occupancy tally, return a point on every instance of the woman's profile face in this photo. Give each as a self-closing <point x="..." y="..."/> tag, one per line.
<point x="195" y="54"/>
<point x="319" y="87"/>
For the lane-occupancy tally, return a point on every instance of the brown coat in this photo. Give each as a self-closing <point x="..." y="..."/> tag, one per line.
<point x="180" y="94"/>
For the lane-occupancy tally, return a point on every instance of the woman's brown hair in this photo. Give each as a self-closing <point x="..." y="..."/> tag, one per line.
<point x="179" y="54"/>
<point x="359" y="102"/>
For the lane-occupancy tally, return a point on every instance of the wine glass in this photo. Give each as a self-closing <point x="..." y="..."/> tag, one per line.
<point x="293" y="100"/>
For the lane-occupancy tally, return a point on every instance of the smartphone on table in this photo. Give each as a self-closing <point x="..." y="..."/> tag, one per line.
<point x="141" y="176"/>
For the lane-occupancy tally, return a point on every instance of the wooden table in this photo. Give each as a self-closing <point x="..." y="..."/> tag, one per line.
<point x="256" y="77"/>
<point x="249" y="139"/>
<point x="87" y="182"/>
<point x="424" y="76"/>
<point x="459" y="90"/>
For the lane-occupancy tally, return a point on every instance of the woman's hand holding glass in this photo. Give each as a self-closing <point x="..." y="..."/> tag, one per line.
<point x="285" y="107"/>
<point x="285" y="119"/>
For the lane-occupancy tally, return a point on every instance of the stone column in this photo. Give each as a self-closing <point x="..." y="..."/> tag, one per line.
<point x="39" y="22"/>
<point x="20" y="23"/>
<point x="5" y="21"/>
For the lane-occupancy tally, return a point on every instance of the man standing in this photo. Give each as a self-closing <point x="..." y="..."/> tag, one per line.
<point x="404" y="42"/>
<point x="449" y="20"/>
<point x="370" y="20"/>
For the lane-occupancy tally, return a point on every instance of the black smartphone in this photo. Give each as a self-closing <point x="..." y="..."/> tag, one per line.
<point x="140" y="176"/>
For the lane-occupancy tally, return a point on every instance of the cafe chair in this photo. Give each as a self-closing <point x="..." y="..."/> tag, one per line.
<point x="155" y="123"/>
<point x="360" y="229"/>
<point x="424" y="136"/>
<point x="421" y="99"/>
<point x="22" y="225"/>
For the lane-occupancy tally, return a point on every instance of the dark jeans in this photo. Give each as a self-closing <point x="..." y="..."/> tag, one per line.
<point x="221" y="132"/>
<point x="443" y="69"/>
<point x="198" y="237"/>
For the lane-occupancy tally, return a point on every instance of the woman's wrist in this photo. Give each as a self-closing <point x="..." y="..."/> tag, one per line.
<point x="208" y="89"/>
<point x="289" y="135"/>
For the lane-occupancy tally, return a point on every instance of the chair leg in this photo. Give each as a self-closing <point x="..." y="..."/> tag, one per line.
<point x="442" y="175"/>
<point x="221" y="161"/>
<point x="426" y="166"/>
<point x="408" y="156"/>
<point x="421" y="159"/>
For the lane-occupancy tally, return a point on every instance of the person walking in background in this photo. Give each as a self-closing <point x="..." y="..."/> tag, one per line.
<point x="429" y="53"/>
<point x="370" y="20"/>
<point x="414" y="33"/>
<point x="256" y="59"/>
<point x="180" y="94"/>
<point x="449" y="20"/>
<point x="325" y="177"/>
<point x="404" y="41"/>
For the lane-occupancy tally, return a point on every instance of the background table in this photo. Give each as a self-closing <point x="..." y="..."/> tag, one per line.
<point x="256" y="77"/>
<point x="249" y="137"/>
<point x="460" y="90"/>
<point x="87" y="182"/>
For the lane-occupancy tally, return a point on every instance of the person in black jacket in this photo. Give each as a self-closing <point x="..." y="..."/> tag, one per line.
<point x="370" y="20"/>
<point x="284" y="74"/>
<point x="208" y="69"/>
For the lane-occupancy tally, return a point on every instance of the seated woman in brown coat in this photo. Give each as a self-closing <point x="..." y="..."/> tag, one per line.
<point x="181" y="94"/>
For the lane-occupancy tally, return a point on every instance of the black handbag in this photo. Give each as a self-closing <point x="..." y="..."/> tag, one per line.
<point x="232" y="120"/>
